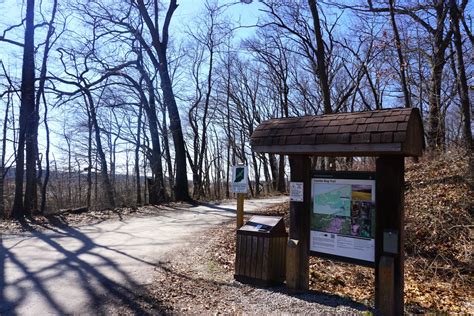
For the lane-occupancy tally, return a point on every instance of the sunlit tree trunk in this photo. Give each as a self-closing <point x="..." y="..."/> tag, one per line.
<point x="160" y="44"/>
<point x="28" y="118"/>
<point x="462" y="85"/>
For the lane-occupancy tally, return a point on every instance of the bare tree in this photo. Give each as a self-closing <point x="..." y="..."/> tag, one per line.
<point x="40" y="93"/>
<point x="321" y="58"/>
<point x="28" y="121"/>
<point x="274" y="55"/>
<point x="207" y="35"/>
<point x="160" y="45"/>
<point x="462" y="82"/>
<point x="84" y="88"/>
<point x="401" y="59"/>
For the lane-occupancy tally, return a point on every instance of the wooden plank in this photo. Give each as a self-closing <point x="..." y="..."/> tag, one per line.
<point x="271" y="261"/>
<point x="266" y="255"/>
<point x="276" y="258"/>
<point x="300" y="218"/>
<point x="386" y="286"/>
<point x="279" y="255"/>
<point x="258" y="270"/>
<point x="253" y="268"/>
<point x="243" y="254"/>
<point x="292" y="263"/>
<point x="390" y="217"/>
<point x="238" y="252"/>
<point x="283" y="257"/>
<point x="248" y="256"/>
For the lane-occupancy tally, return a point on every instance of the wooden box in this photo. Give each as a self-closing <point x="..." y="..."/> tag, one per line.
<point x="261" y="251"/>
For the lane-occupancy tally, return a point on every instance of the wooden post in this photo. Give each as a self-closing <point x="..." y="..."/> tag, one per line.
<point x="389" y="235"/>
<point x="386" y="286"/>
<point x="299" y="224"/>
<point x="240" y="210"/>
<point x="292" y="263"/>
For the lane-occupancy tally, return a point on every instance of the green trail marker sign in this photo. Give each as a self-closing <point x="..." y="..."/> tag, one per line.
<point x="239" y="179"/>
<point x="240" y="175"/>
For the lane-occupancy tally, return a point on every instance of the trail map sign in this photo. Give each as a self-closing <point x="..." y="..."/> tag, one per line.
<point x="343" y="216"/>
<point x="337" y="216"/>
<point x="239" y="179"/>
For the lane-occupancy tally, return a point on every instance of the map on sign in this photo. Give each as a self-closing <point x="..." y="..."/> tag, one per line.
<point x="343" y="217"/>
<point x="333" y="199"/>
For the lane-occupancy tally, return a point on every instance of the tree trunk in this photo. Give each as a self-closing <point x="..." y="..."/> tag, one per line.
<point x="462" y="84"/>
<point x="160" y="45"/>
<point x="156" y="191"/>
<point x="401" y="60"/>
<point x="281" y="174"/>
<point x="181" y="192"/>
<point x="257" y="174"/>
<point x="137" y="158"/>
<point x="435" y="125"/>
<point x="107" y="186"/>
<point x="166" y="148"/>
<point x="156" y="188"/>
<point x="39" y="94"/>
<point x="27" y="117"/>
<point x="274" y="171"/>
<point x="69" y="169"/>
<point x="321" y="58"/>
<point x="3" y="156"/>
<point x="89" y="159"/>
<point x="78" y="200"/>
<point x="46" y="174"/>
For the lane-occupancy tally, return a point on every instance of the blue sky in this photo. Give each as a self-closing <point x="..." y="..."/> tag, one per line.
<point x="12" y="11"/>
<point x="247" y="13"/>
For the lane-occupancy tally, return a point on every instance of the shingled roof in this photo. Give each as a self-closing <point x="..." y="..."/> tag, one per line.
<point x="372" y="133"/>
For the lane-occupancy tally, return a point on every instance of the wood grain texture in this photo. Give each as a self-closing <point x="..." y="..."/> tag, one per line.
<point x="300" y="218"/>
<point x="390" y="215"/>
<point x="386" y="284"/>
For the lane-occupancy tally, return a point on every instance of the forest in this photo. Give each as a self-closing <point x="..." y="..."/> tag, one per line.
<point x="117" y="104"/>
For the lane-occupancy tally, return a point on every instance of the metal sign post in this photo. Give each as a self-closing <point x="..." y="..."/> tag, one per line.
<point x="239" y="186"/>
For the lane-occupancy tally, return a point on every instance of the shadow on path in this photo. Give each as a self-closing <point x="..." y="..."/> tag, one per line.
<point x="31" y="279"/>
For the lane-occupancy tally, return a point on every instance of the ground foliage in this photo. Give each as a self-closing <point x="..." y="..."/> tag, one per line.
<point x="439" y="233"/>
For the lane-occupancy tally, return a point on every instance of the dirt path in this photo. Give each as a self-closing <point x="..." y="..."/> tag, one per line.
<point x="94" y="268"/>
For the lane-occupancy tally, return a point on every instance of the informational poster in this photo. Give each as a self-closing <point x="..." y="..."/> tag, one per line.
<point x="296" y="191"/>
<point x="343" y="217"/>
<point x="240" y="176"/>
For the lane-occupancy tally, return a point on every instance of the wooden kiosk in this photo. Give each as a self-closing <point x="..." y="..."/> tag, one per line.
<point x="390" y="135"/>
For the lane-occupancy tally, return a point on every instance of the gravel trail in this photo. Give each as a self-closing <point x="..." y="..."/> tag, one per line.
<point x="93" y="269"/>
